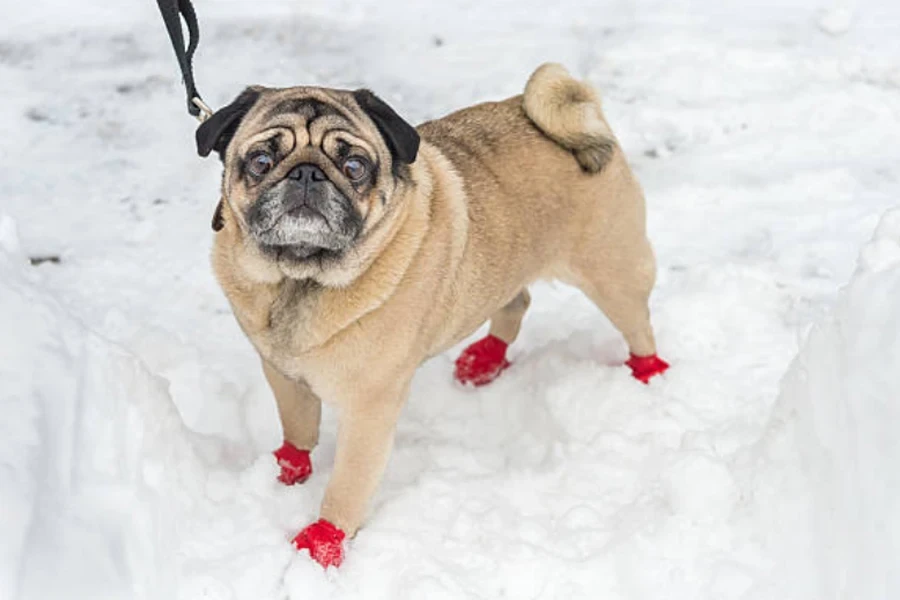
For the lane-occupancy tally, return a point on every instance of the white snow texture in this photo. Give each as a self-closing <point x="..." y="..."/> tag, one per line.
<point x="135" y="425"/>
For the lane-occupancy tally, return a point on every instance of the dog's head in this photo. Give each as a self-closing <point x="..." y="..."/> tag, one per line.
<point x="309" y="173"/>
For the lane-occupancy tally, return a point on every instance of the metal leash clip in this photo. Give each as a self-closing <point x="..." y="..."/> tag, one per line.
<point x="205" y="111"/>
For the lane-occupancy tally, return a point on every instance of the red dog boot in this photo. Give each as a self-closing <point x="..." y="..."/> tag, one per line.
<point x="294" y="462"/>
<point x="482" y="362"/>
<point x="323" y="540"/>
<point x="645" y="367"/>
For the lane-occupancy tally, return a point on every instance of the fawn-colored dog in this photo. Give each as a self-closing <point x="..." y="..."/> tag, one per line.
<point x="353" y="246"/>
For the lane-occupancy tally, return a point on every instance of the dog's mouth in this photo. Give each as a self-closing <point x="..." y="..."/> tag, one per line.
<point x="302" y="234"/>
<point x="300" y="252"/>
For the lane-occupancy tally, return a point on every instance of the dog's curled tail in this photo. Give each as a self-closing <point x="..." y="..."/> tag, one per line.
<point x="568" y="112"/>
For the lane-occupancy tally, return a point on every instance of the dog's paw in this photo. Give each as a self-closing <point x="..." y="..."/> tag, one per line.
<point x="645" y="367"/>
<point x="294" y="462"/>
<point x="482" y="362"/>
<point x="324" y="541"/>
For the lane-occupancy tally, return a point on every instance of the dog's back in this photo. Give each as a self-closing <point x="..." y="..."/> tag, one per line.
<point x="543" y="165"/>
<point x="554" y="104"/>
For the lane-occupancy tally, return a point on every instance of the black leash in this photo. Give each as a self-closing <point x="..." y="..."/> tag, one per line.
<point x="172" y="12"/>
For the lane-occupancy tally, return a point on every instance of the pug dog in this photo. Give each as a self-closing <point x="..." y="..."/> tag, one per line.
<point x="353" y="246"/>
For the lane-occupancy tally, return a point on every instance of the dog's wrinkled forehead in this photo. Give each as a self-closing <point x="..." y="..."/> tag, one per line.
<point x="309" y="112"/>
<point x="360" y="112"/>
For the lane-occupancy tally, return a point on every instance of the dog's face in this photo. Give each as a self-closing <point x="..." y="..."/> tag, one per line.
<point x="309" y="173"/>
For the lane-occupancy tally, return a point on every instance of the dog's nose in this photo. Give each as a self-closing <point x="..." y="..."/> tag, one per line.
<point x="307" y="173"/>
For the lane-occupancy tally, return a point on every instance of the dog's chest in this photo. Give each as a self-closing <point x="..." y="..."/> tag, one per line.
<point x="302" y="330"/>
<point x="274" y="324"/>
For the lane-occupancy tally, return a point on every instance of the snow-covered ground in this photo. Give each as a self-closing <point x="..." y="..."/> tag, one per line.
<point x="135" y="425"/>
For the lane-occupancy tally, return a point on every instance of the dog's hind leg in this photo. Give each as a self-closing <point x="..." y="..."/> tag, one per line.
<point x="484" y="360"/>
<point x="506" y="322"/>
<point x="620" y="286"/>
<point x="300" y="411"/>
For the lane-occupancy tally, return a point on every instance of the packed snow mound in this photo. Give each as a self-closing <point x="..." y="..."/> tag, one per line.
<point x="843" y="392"/>
<point x="80" y="418"/>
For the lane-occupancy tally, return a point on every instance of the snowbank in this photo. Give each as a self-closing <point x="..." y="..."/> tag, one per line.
<point x="840" y="402"/>
<point x="82" y="420"/>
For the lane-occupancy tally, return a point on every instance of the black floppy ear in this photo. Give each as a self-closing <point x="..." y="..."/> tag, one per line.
<point x="216" y="132"/>
<point x="401" y="137"/>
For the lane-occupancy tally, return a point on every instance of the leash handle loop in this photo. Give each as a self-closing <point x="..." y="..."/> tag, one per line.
<point x="172" y="12"/>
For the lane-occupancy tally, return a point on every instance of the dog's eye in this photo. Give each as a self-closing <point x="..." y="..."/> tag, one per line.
<point x="259" y="164"/>
<point x="355" y="168"/>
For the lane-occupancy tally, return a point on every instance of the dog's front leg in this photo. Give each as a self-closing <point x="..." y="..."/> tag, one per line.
<point x="300" y="411"/>
<point x="365" y="437"/>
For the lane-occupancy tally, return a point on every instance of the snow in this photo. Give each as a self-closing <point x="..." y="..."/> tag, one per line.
<point x="841" y="401"/>
<point x="135" y="425"/>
